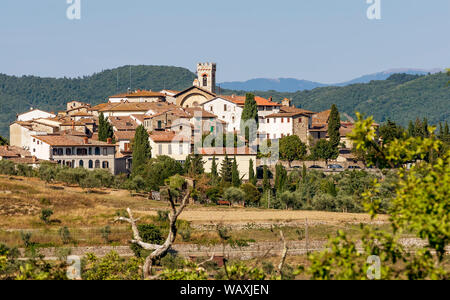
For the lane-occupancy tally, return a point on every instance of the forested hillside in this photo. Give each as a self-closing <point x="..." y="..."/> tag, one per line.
<point x="18" y="94"/>
<point x="400" y="98"/>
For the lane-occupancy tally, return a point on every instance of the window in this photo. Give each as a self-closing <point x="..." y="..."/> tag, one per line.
<point x="90" y="151"/>
<point x="159" y="124"/>
<point x="180" y="148"/>
<point x="97" y="164"/>
<point x="205" y="80"/>
<point x="68" y="151"/>
<point x="81" y="151"/>
<point x="105" y="151"/>
<point x="91" y="164"/>
<point x="81" y="164"/>
<point x="60" y="151"/>
<point x="288" y="120"/>
<point x="282" y="120"/>
<point x="224" y="107"/>
<point x="55" y="151"/>
<point x="105" y="165"/>
<point x="268" y="121"/>
<point x="97" y="151"/>
<point x="211" y="108"/>
<point x="160" y="150"/>
<point x="300" y="120"/>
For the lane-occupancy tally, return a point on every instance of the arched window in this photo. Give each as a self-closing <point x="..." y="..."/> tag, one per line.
<point x="55" y="151"/>
<point x="91" y="164"/>
<point x="97" y="164"/>
<point x="60" y="152"/>
<point x="81" y="164"/>
<point x="97" y="151"/>
<point x="68" y="151"/>
<point x="105" y="165"/>
<point x="205" y="80"/>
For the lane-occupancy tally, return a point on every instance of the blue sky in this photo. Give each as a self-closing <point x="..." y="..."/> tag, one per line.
<point x="319" y="40"/>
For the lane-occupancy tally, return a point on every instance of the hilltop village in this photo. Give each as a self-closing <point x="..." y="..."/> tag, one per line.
<point x="71" y="137"/>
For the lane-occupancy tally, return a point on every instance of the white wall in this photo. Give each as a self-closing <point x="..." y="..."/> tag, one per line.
<point x="34" y="114"/>
<point x="178" y="154"/>
<point x="276" y="128"/>
<point x="217" y="107"/>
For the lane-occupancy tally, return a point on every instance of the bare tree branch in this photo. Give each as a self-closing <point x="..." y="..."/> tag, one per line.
<point x="159" y="251"/>
<point x="283" y="255"/>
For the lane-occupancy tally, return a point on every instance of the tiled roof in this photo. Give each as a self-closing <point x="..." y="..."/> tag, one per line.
<point x="138" y="94"/>
<point x="322" y="117"/>
<point x="123" y="123"/>
<point x="291" y="109"/>
<point x="168" y="136"/>
<point x="240" y="100"/>
<point x="124" y="135"/>
<point x="6" y="152"/>
<point x="140" y="118"/>
<point x="69" y="140"/>
<point x="200" y="111"/>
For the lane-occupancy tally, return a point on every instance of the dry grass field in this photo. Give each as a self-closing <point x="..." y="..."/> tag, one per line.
<point x="86" y="213"/>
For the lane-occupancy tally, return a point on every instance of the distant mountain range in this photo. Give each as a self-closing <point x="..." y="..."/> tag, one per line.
<point x="292" y="85"/>
<point x="399" y="97"/>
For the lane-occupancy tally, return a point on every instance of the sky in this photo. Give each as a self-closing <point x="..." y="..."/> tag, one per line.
<point x="320" y="40"/>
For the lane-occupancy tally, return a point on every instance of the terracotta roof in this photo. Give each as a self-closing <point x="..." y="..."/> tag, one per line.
<point x="173" y="111"/>
<point x="69" y="140"/>
<point x="140" y="118"/>
<point x="123" y="123"/>
<point x="124" y="135"/>
<point x="200" y="111"/>
<point x="292" y="109"/>
<point x="322" y="117"/>
<point x="138" y="94"/>
<point x="226" y="151"/>
<point x="240" y="100"/>
<point x="194" y="87"/>
<point x="168" y="136"/>
<point x="26" y="160"/>
<point x="6" y="152"/>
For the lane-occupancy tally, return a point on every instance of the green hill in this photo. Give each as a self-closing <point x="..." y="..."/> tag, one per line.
<point x="400" y="98"/>
<point x="18" y="94"/>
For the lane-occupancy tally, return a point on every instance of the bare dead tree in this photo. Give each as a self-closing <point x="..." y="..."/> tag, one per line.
<point x="159" y="251"/>
<point x="283" y="254"/>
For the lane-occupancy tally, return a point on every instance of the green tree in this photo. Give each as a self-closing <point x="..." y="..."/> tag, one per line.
<point x="252" y="195"/>
<point x="251" y="173"/>
<point x="3" y="141"/>
<point x="266" y="179"/>
<point x="250" y="112"/>
<point x="235" y="177"/>
<point x="391" y="131"/>
<point x="292" y="148"/>
<point x="194" y="165"/>
<point x="334" y="125"/>
<point x="226" y="171"/>
<point x="141" y="150"/>
<point x="105" y="129"/>
<point x="323" y="150"/>
<point x="420" y="206"/>
<point x="158" y="170"/>
<point x="280" y="178"/>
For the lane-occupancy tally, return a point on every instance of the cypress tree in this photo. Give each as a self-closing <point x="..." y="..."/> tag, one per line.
<point x="141" y="149"/>
<point x="280" y="178"/>
<point x="411" y="129"/>
<point x="266" y="181"/>
<point x="251" y="174"/>
<point x="105" y="129"/>
<point x="226" y="170"/>
<point x="194" y="165"/>
<point x="334" y="125"/>
<point x="250" y="112"/>
<point x="214" y="173"/>
<point x="426" y="134"/>
<point x="235" y="177"/>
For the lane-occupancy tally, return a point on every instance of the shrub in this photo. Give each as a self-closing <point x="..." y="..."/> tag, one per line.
<point x="46" y="213"/>
<point x="214" y="194"/>
<point x="233" y="195"/>
<point x="252" y="195"/>
<point x="106" y="232"/>
<point x="7" y="167"/>
<point x="324" y="202"/>
<point x="25" y="170"/>
<point x="149" y="234"/>
<point x="65" y="236"/>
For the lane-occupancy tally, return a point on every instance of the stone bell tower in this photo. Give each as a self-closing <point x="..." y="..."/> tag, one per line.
<point x="206" y="76"/>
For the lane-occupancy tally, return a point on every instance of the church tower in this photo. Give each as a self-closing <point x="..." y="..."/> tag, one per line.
<point x="206" y="77"/>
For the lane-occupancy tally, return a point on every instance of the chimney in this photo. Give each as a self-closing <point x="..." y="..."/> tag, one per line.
<point x="86" y="140"/>
<point x="127" y="147"/>
<point x="270" y="98"/>
<point x="109" y="141"/>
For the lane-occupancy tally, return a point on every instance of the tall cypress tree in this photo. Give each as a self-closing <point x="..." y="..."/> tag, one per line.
<point x="426" y="134"/>
<point x="226" y="170"/>
<point x="105" y="129"/>
<point x="142" y="151"/>
<point x="411" y="129"/>
<point x="251" y="174"/>
<point x="266" y="180"/>
<point x="334" y="125"/>
<point x="235" y="177"/>
<point x="250" y="112"/>
<point x="214" y="173"/>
